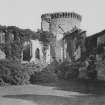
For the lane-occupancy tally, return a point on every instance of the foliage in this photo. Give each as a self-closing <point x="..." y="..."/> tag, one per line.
<point x="43" y="76"/>
<point x="67" y="71"/>
<point x="47" y="74"/>
<point x="75" y="40"/>
<point x="45" y="37"/>
<point x="55" y="71"/>
<point x="74" y="32"/>
<point x="15" y="38"/>
<point x="91" y="70"/>
<point x="14" y="41"/>
<point x="13" y="73"/>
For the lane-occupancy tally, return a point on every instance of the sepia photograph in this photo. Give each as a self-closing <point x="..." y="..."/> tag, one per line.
<point x="52" y="52"/>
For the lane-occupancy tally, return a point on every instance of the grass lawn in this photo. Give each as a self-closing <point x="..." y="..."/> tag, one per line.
<point x="77" y="92"/>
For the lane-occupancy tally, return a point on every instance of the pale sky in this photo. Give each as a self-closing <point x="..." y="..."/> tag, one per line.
<point x="27" y="13"/>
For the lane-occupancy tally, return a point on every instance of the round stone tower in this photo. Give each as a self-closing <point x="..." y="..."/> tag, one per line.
<point x="61" y="22"/>
<point x="58" y="24"/>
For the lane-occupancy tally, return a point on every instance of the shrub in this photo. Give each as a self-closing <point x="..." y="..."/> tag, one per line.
<point x="61" y="70"/>
<point x="47" y="74"/>
<point x="2" y="83"/>
<point x="91" y="70"/>
<point x="67" y="71"/>
<point x="55" y="71"/>
<point x="43" y="77"/>
<point x="72" y="73"/>
<point x="13" y="73"/>
<point x="92" y="74"/>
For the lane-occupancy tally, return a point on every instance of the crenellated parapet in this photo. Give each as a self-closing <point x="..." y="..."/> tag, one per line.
<point x="60" y="22"/>
<point x="62" y="15"/>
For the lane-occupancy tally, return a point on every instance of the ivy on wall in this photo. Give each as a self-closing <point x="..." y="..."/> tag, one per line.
<point x="16" y="37"/>
<point x="74" y="40"/>
<point x="14" y="40"/>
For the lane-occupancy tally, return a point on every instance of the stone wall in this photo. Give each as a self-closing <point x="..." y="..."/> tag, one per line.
<point x="43" y="52"/>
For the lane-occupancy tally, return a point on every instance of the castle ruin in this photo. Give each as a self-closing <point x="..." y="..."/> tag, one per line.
<point x="58" y="24"/>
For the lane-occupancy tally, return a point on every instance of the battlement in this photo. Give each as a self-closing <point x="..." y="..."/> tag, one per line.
<point x="62" y="15"/>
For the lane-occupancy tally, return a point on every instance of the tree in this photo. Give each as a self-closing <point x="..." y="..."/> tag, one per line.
<point x="74" y="40"/>
<point x="45" y="37"/>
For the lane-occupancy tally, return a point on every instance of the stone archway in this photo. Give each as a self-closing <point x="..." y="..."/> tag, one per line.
<point x="37" y="53"/>
<point x="26" y="52"/>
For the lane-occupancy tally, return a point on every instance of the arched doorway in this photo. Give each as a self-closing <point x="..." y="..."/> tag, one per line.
<point x="26" y="52"/>
<point x="37" y="53"/>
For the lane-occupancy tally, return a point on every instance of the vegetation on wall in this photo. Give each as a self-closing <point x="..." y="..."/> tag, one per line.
<point x="74" y="40"/>
<point x="16" y="37"/>
<point x="14" y="41"/>
<point x="45" y="37"/>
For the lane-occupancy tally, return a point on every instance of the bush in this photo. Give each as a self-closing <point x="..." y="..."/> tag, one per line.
<point x="92" y="74"/>
<point x="55" y="71"/>
<point x="61" y="70"/>
<point x="91" y="70"/>
<point x="67" y="71"/>
<point x="13" y="73"/>
<point x="43" y="77"/>
<point x="46" y="75"/>
<point x="71" y="74"/>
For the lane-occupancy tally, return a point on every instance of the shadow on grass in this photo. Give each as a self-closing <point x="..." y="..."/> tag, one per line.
<point x="58" y="100"/>
<point x="42" y="99"/>
<point x="85" y="86"/>
<point x="95" y="87"/>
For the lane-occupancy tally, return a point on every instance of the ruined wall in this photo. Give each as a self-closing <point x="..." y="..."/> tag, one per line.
<point x="101" y="48"/>
<point x="2" y="41"/>
<point x="95" y="45"/>
<point x="39" y="52"/>
<point x="2" y="55"/>
<point x="36" y="45"/>
<point x="101" y="40"/>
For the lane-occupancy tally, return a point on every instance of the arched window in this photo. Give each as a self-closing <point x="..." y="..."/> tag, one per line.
<point x="37" y="53"/>
<point x="27" y="52"/>
<point x="2" y="37"/>
<point x="11" y="37"/>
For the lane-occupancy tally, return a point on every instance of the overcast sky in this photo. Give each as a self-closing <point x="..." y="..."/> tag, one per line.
<point x="26" y="13"/>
